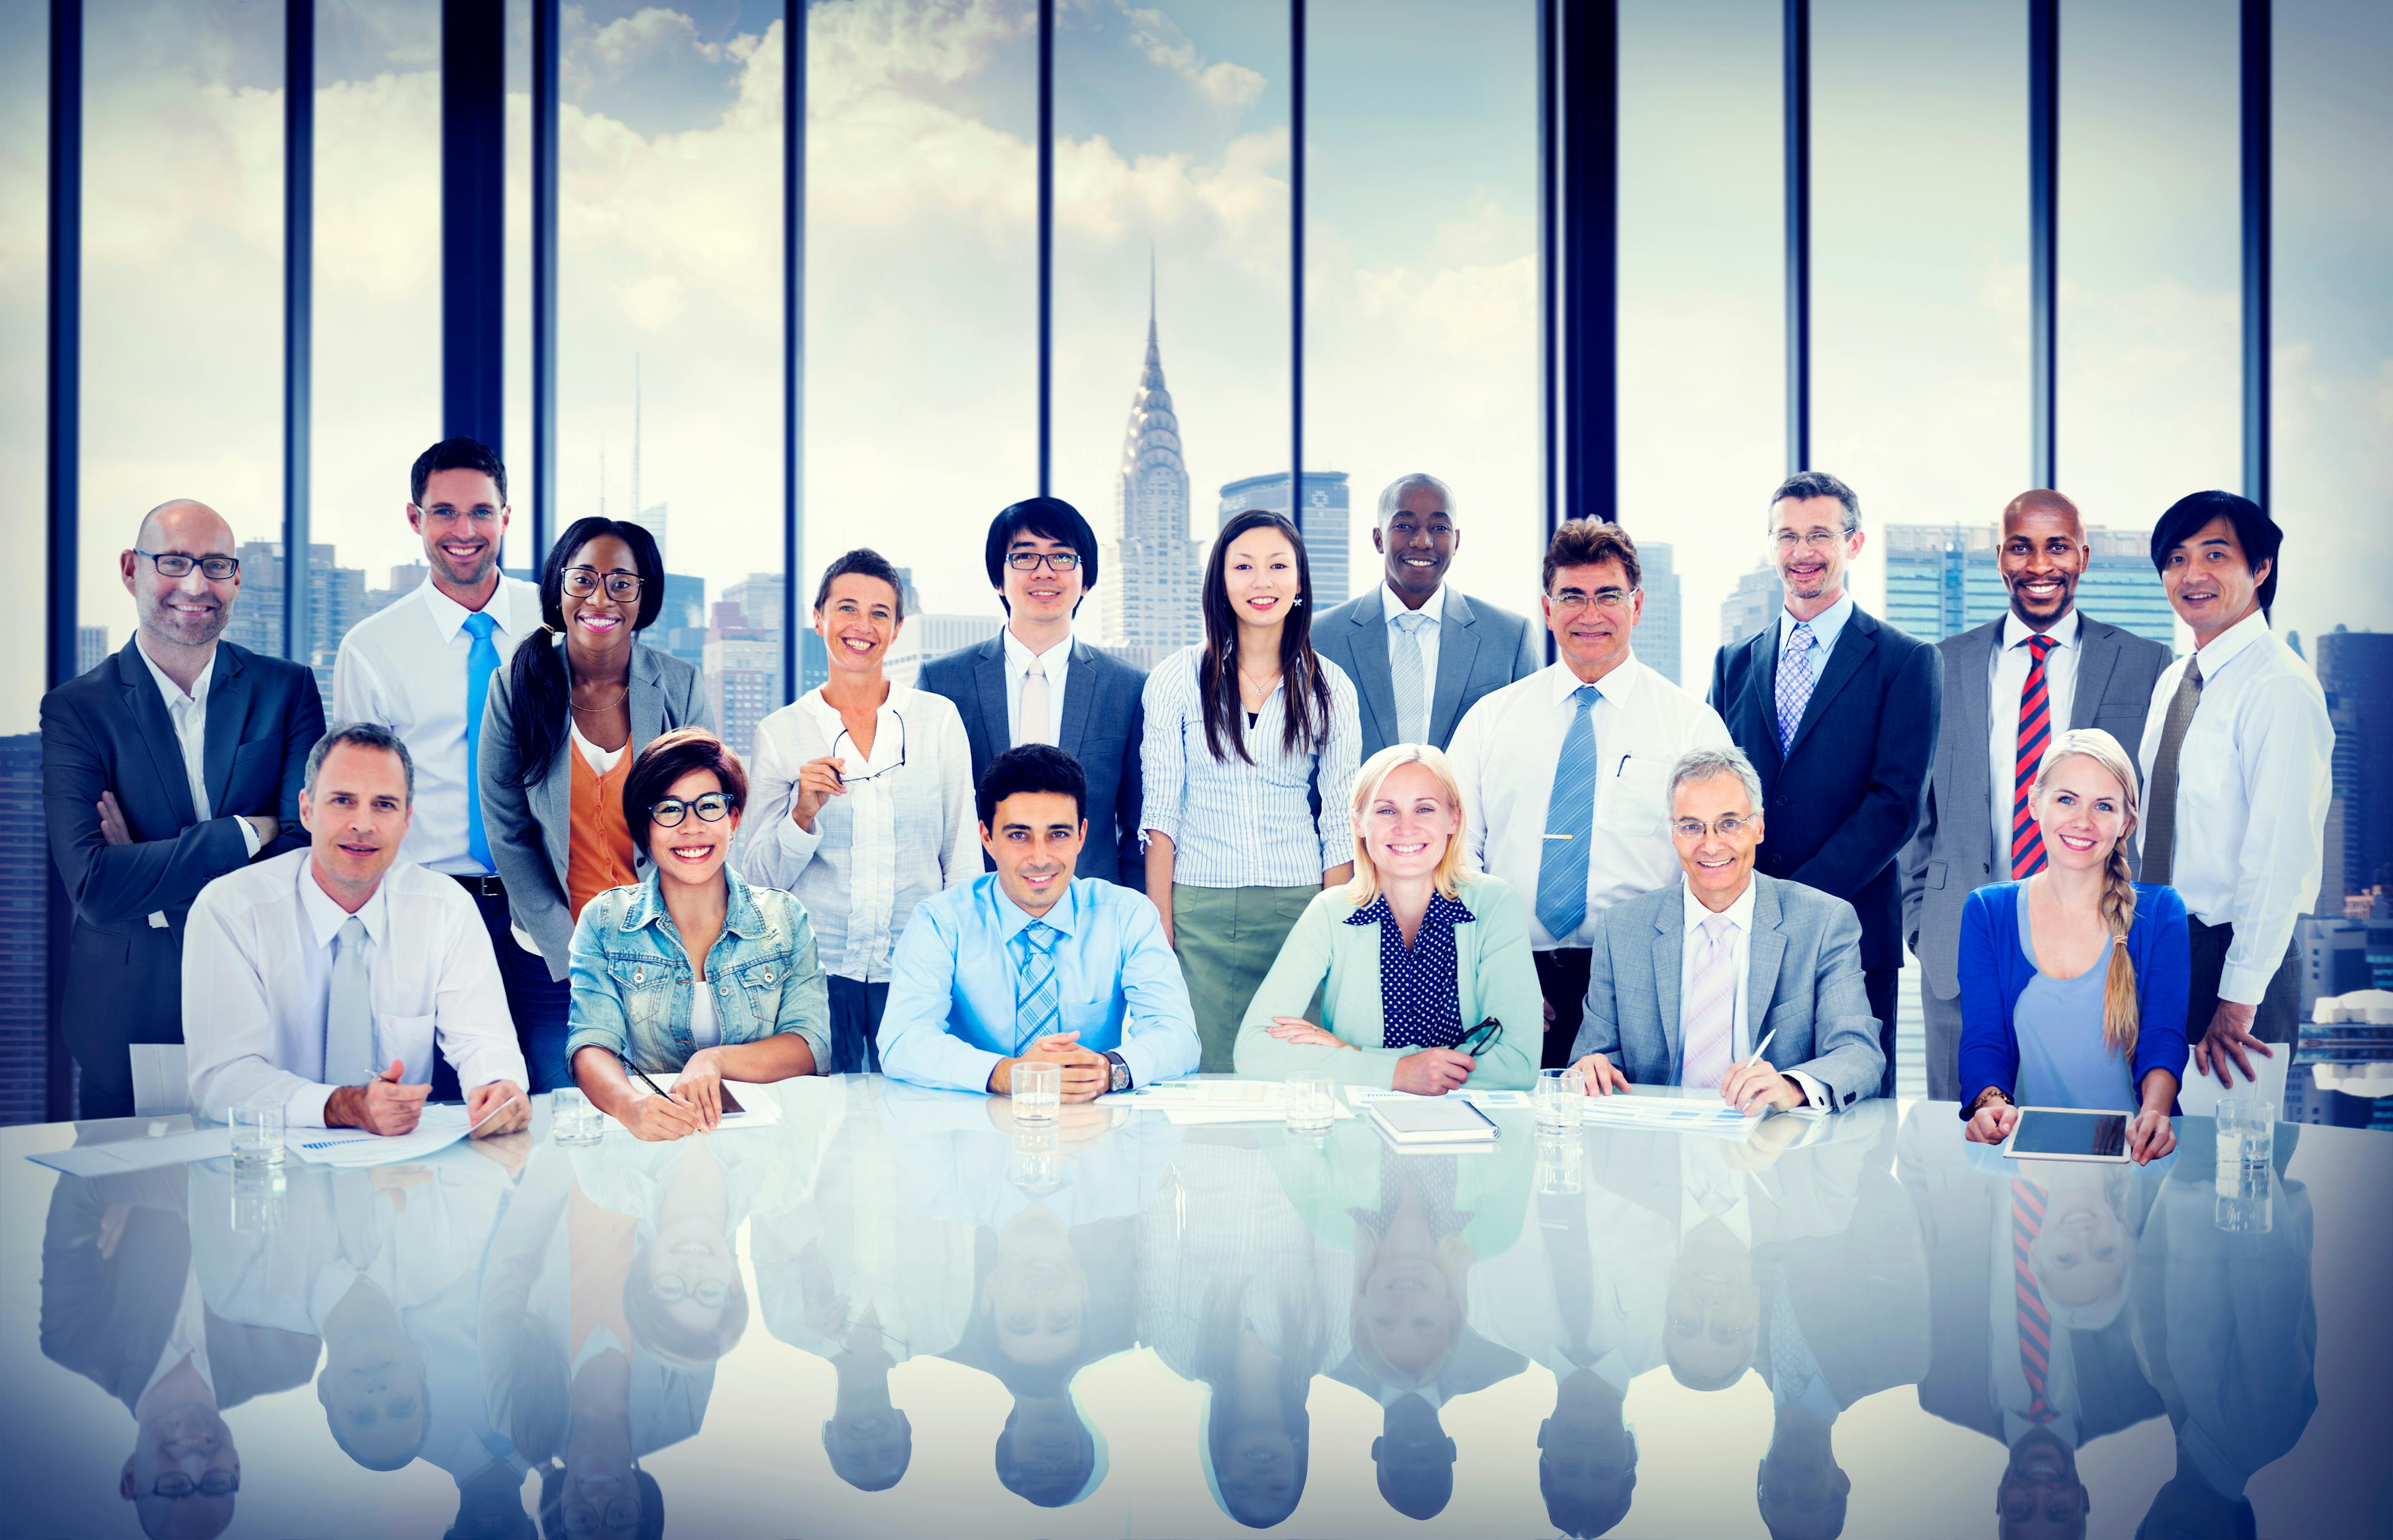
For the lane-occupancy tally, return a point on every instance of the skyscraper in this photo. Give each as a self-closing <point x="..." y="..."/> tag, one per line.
<point x="1322" y="521"/>
<point x="1146" y="595"/>
<point x="24" y="930"/>
<point x="2355" y="668"/>
<point x="1658" y="628"/>
<point x="1758" y="595"/>
<point x="742" y="661"/>
<point x="1942" y="579"/>
<point x="91" y="647"/>
<point x="337" y="600"/>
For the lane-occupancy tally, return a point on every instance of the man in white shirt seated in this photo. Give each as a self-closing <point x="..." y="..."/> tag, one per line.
<point x="324" y="977"/>
<point x="1726" y="978"/>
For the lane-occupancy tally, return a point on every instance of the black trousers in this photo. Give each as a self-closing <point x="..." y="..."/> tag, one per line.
<point x="1561" y="978"/>
<point x="1881" y="983"/>
<point x="2278" y="1018"/>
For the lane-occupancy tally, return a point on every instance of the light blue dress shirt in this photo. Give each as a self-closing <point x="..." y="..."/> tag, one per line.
<point x="1826" y="627"/>
<point x="950" y="1015"/>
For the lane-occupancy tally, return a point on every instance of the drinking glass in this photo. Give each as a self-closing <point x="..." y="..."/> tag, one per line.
<point x="1560" y="1100"/>
<point x="1035" y="1161"/>
<point x="257" y="1134"/>
<point x="1311" y="1102"/>
<point x="1562" y="1163"/>
<point x="2247" y="1141"/>
<point x="1037" y="1091"/>
<point x="572" y="1118"/>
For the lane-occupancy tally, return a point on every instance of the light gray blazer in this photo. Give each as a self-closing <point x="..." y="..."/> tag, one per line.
<point x="1803" y="982"/>
<point x="529" y="827"/>
<point x="1481" y="648"/>
<point x="1953" y="852"/>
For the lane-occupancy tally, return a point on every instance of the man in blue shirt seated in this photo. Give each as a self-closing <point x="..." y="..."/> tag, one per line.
<point x="1031" y="963"/>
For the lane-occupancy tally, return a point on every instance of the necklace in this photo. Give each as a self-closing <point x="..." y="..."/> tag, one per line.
<point x="612" y="704"/>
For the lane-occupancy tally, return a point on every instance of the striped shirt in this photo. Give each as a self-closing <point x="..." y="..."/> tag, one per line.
<point x="1235" y="824"/>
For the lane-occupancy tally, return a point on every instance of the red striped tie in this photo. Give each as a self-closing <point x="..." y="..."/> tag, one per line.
<point x="2035" y="732"/>
<point x="2034" y="1321"/>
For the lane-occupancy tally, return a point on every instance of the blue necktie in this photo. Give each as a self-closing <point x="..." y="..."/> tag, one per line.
<point x="1038" y="998"/>
<point x="1570" y="825"/>
<point x="1795" y="681"/>
<point x="480" y="663"/>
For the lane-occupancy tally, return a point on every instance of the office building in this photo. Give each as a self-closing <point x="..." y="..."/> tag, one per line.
<point x="2355" y="668"/>
<point x="24" y="897"/>
<point x="929" y="637"/>
<point x="1942" y="579"/>
<point x="1758" y="595"/>
<point x="1147" y="604"/>
<point x="1322" y="521"/>
<point x="404" y="579"/>
<point x="1657" y="630"/>
<point x="680" y="627"/>
<point x="91" y="647"/>
<point x="337" y="600"/>
<point x="742" y="669"/>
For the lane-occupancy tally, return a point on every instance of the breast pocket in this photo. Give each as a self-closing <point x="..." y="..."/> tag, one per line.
<point x="1631" y="801"/>
<point x="644" y="986"/>
<point x="758" y="986"/>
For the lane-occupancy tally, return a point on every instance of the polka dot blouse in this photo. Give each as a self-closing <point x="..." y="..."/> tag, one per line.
<point x="1420" y="1006"/>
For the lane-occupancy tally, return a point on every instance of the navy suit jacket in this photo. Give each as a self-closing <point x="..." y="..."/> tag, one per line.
<point x="1104" y="718"/>
<point x="109" y="731"/>
<point x="1846" y="796"/>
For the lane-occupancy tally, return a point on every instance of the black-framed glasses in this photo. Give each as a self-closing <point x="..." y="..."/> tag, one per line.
<point x="174" y="563"/>
<point x="1028" y="561"/>
<point x="218" y="1483"/>
<point x="1727" y="828"/>
<point x="846" y="779"/>
<point x="583" y="582"/>
<point x="713" y="808"/>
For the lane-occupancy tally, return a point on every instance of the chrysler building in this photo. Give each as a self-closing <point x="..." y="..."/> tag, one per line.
<point x="1149" y="595"/>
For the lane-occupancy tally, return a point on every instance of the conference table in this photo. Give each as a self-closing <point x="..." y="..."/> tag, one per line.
<point x="874" y="1309"/>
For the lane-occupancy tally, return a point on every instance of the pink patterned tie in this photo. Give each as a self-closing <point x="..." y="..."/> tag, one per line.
<point x="1711" y="1009"/>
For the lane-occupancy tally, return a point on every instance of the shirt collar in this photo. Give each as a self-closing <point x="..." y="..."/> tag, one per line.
<point x="1391" y="606"/>
<point x="1826" y="626"/>
<point x="448" y="615"/>
<point x="173" y="692"/>
<point x="2016" y="631"/>
<point x="1615" y="687"/>
<point x="325" y="918"/>
<point x="740" y="915"/>
<point x="1740" y="914"/>
<point x="2227" y="647"/>
<point x="1442" y="910"/>
<point x="1011" y="919"/>
<point x="1018" y="654"/>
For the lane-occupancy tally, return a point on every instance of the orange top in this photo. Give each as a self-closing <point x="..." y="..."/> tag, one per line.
<point x="598" y="849"/>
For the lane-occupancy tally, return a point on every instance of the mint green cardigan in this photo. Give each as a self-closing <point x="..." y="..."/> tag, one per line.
<point x="1494" y="976"/>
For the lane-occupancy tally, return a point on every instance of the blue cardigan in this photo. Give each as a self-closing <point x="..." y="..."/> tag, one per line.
<point x="1995" y="972"/>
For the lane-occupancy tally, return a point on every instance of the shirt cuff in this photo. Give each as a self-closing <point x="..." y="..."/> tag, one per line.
<point x="1815" y="1096"/>
<point x="305" y="1109"/>
<point x="2244" y="986"/>
<point x="248" y="836"/>
<point x="799" y="843"/>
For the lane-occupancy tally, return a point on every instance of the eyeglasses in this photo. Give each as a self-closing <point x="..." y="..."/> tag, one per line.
<point x="711" y="808"/>
<point x="174" y="563"/>
<point x="846" y="779"/>
<point x="1727" y="828"/>
<point x="1818" y="540"/>
<point x="583" y="582"/>
<point x="214" y="1484"/>
<point x="1571" y="599"/>
<point x="1028" y="561"/>
<point x="673" y="1288"/>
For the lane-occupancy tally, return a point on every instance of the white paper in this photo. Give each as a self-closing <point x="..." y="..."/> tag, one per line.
<point x="136" y="1154"/>
<point x="1683" y="1115"/>
<point x="1486" y="1100"/>
<point x="443" y="1124"/>
<point x="2200" y="1094"/>
<point x="759" y="1107"/>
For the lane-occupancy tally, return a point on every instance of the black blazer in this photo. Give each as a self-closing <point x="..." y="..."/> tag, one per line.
<point x="1845" y="798"/>
<point x="1104" y="718"/>
<point x="109" y="731"/>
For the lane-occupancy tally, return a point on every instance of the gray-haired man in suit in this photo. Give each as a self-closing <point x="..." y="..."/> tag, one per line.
<point x="1773" y="965"/>
<point x="2009" y="685"/>
<point x="1419" y="653"/>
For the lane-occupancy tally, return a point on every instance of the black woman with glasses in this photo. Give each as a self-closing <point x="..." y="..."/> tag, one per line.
<point x="175" y="761"/>
<point x="864" y="801"/>
<point x="560" y="727"/>
<point x="690" y="971"/>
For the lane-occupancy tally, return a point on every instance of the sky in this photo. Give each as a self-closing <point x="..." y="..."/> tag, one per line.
<point x="1172" y="122"/>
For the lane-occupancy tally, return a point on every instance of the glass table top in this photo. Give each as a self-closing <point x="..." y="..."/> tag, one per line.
<point x="894" y="1312"/>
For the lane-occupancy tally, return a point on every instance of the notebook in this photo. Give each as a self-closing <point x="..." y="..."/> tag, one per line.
<point x="1432" y="1121"/>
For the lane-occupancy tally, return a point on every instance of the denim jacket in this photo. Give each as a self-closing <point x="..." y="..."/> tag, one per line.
<point x="631" y="977"/>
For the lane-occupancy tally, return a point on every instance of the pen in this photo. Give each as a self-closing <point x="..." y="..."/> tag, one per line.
<point x="1755" y="1057"/>
<point x="644" y="1077"/>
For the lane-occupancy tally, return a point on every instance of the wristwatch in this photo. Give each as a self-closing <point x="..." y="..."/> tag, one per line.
<point x="1121" y="1072"/>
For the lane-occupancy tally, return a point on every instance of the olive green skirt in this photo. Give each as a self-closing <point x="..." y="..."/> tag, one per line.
<point x="1227" y="940"/>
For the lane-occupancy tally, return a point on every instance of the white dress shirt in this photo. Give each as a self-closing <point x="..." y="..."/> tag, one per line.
<point x="190" y="715"/>
<point x="187" y="1340"/>
<point x="404" y="667"/>
<point x="1432" y="609"/>
<point x="1740" y="959"/>
<point x="257" y="978"/>
<point x="1504" y="755"/>
<point x="1054" y="662"/>
<point x="2010" y="669"/>
<point x="880" y="848"/>
<point x="1826" y="627"/>
<point x="2253" y="780"/>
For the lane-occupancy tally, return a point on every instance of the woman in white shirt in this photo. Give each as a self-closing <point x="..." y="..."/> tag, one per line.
<point x="863" y="799"/>
<point x="1242" y="733"/>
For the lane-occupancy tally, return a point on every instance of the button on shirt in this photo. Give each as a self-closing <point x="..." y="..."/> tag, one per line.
<point x="1432" y="614"/>
<point x="2010" y="666"/>
<point x="1737" y="939"/>
<point x="404" y="667"/>
<point x="1054" y="662"/>
<point x="190" y="715"/>
<point x="1504" y="756"/>
<point x="952" y="1005"/>
<point x="257" y="977"/>
<point x="1420" y="1000"/>
<point x="2254" y="782"/>
<point x="881" y="848"/>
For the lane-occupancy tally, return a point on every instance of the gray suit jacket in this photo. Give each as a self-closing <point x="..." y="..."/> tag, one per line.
<point x="1104" y="719"/>
<point x="530" y="828"/>
<point x="1803" y="982"/>
<point x="1953" y="851"/>
<point x="1481" y="648"/>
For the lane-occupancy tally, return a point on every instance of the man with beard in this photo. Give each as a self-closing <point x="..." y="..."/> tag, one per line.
<point x="176" y="760"/>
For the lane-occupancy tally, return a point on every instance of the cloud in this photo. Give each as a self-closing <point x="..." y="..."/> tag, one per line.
<point x="1232" y="87"/>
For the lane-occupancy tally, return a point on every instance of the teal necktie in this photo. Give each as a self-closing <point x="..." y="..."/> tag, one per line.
<point x="480" y="663"/>
<point x="1039" y="1008"/>
<point x="1570" y="824"/>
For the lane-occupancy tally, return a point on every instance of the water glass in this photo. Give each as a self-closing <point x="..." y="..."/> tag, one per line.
<point x="1311" y="1102"/>
<point x="1037" y="1091"/>
<point x="1562" y="1163"/>
<point x="1035" y="1164"/>
<point x="256" y="1195"/>
<point x="257" y="1134"/>
<point x="572" y="1118"/>
<point x="1560" y="1099"/>
<point x="2247" y="1142"/>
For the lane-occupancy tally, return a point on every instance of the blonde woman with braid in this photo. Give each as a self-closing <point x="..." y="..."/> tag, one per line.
<point x="2074" y="982"/>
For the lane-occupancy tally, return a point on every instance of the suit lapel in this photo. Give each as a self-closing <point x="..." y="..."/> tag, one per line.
<point x="1854" y="649"/>
<point x="1669" y="936"/>
<point x="229" y="700"/>
<point x="1081" y="683"/>
<point x="988" y="685"/>
<point x="1756" y="708"/>
<point x="647" y="696"/>
<point x="1457" y="648"/>
<point x="1374" y="681"/>
<point x="1976" y="707"/>
<point x="156" y="731"/>
<point x="1763" y="949"/>
<point x="2098" y="654"/>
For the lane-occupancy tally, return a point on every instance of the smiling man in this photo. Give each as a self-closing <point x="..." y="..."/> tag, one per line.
<point x="1564" y="774"/>
<point x="327" y="977"/>
<point x="1029" y="964"/>
<point x="2009" y="685"/>
<point x="1419" y="652"/>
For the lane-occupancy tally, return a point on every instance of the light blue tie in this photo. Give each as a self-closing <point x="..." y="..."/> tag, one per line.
<point x="1570" y="824"/>
<point x="1795" y="681"/>
<point x="480" y="663"/>
<point x="1039" y="1008"/>
<point x="1407" y="674"/>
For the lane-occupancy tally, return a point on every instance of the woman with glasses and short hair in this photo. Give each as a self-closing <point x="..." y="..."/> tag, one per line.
<point x="560" y="728"/>
<point x="864" y="801"/>
<point x="690" y="971"/>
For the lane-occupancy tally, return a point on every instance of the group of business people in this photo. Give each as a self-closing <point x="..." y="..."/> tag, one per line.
<point x="521" y="858"/>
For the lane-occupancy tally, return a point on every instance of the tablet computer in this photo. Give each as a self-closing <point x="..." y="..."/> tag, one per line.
<point x="2064" y="1133"/>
